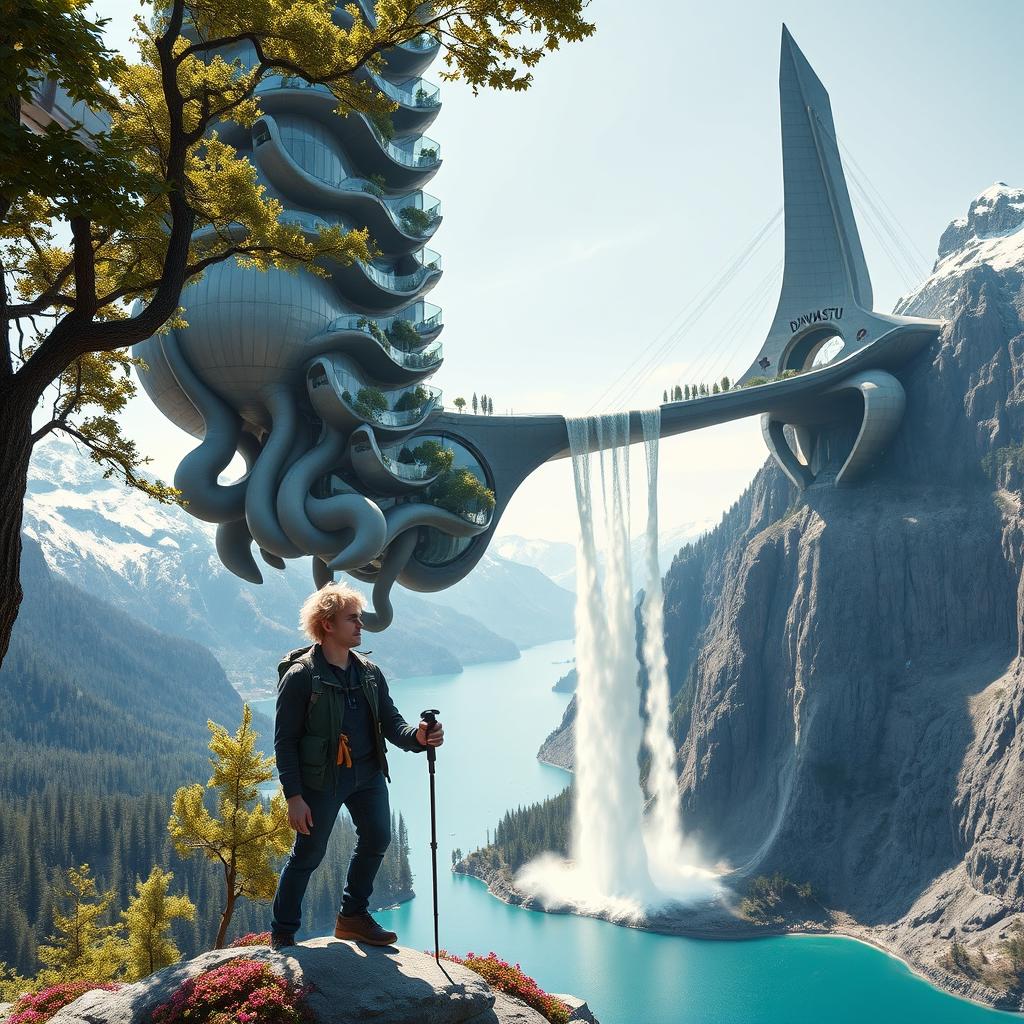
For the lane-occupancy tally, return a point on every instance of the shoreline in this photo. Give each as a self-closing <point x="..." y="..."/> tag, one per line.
<point x="718" y="928"/>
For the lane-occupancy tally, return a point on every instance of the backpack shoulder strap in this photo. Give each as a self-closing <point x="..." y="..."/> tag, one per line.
<point x="317" y="687"/>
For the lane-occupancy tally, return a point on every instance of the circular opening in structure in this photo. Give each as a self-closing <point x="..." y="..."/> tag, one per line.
<point x="827" y="351"/>
<point x="453" y="492"/>
<point x="813" y="350"/>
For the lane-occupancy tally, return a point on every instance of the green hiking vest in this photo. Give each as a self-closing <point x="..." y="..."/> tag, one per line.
<point x="325" y="718"/>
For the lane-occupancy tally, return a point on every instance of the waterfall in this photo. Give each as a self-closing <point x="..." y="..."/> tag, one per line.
<point x="622" y="863"/>
<point x="665" y="833"/>
<point x="607" y="816"/>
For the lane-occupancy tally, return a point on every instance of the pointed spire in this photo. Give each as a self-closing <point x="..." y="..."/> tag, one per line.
<point x="822" y="242"/>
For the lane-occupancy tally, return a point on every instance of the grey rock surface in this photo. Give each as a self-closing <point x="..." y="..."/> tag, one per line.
<point x="580" y="1010"/>
<point x="350" y="984"/>
<point x="559" y="748"/>
<point x="846" y="665"/>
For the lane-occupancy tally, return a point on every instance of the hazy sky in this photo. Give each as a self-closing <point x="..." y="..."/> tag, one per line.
<point x="585" y="219"/>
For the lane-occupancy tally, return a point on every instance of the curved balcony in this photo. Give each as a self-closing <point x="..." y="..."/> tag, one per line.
<point x="412" y="57"/>
<point x="386" y="289"/>
<point x="397" y="223"/>
<point x="418" y="101"/>
<point x="382" y="473"/>
<point x="364" y="284"/>
<point x="429" y="263"/>
<point x="406" y="163"/>
<point x="367" y="340"/>
<point x="344" y="401"/>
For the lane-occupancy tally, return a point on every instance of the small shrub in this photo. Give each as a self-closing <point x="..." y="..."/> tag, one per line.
<point x="41" y="1006"/>
<point x="510" y="979"/>
<point x="238" y="992"/>
<point x="766" y="893"/>
<point x="252" y="939"/>
<point x="1014" y="948"/>
<point x="1001" y="461"/>
<point x="403" y="332"/>
<point x="416" y="221"/>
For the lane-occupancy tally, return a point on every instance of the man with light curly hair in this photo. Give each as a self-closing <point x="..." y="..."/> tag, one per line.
<point x="334" y="713"/>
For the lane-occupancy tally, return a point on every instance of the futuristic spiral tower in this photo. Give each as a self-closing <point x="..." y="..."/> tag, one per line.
<point x="320" y="384"/>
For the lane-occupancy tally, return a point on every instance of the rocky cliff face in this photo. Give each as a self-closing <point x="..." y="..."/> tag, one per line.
<point x="846" y="664"/>
<point x="851" y="658"/>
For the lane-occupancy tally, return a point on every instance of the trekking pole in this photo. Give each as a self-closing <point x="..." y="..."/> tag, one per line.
<point x="430" y="717"/>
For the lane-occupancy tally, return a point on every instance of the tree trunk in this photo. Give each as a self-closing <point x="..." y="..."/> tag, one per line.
<point x="225" y="918"/>
<point x="15" y="449"/>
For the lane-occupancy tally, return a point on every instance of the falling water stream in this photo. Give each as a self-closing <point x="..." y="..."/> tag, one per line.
<point x="623" y="862"/>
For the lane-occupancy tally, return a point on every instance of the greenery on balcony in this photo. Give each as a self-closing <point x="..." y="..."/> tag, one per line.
<point x="416" y="221"/>
<point x="375" y="185"/>
<point x="403" y="333"/>
<point x="370" y="402"/>
<point x="428" y="154"/>
<point x="411" y="400"/>
<point x="460" y="491"/>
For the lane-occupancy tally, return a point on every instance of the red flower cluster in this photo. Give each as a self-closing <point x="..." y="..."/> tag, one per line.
<point x="42" y="1005"/>
<point x="239" y="992"/>
<point x="510" y="979"/>
<point x="252" y="939"/>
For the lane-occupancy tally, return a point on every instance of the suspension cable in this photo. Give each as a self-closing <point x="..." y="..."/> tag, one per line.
<point x="641" y="366"/>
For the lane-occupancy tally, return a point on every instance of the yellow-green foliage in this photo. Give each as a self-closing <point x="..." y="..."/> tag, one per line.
<point x="148" y="945"/>
<point x="13" y="985"/>
<point x="247" y="835"/>
<point x="81" y="946"/>
<point x="90" y="224"/>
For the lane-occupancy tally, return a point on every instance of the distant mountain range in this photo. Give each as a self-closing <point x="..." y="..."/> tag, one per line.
<point x="92" y="698"/>
<point x="557" y="559"/>
<point x="159" y="564"/>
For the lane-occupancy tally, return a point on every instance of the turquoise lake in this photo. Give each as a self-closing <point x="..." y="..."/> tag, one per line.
<point x="496" y="716"/>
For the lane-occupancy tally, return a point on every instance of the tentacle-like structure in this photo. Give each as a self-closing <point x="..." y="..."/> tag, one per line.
<point x="362" y="516"/>
<point x="395" y="559"/>
<point x="321" y="574"/>
<point x="295" y="504"/>
<point x="197" y="473"/>
<point x="261" y="496"/>
<point x="234" y="546"/>
<point x="233" y="540"/>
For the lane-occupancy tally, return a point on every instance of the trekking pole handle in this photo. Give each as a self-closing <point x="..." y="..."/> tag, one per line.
<point x="430" y="717"/>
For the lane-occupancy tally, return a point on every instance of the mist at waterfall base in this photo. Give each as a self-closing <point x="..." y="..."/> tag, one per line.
<point x="625" y="864"/>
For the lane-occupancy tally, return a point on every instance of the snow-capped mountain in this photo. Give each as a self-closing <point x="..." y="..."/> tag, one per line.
<point x="159" y="564"/>
<point x="992" y="234"/>
<point x="556" y="559"/>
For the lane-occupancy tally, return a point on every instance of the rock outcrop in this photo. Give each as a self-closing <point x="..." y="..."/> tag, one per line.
<point x="350" y="984"/>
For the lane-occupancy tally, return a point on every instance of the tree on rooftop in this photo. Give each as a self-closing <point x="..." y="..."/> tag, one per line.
<point x="99" y="232"/>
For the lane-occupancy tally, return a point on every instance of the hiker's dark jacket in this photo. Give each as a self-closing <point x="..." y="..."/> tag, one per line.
<point x="307" y="730"/>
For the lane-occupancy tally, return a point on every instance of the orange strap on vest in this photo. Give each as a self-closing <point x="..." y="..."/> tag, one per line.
<point x="344" y="752"/>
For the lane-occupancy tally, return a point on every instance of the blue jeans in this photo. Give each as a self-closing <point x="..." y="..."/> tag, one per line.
<point x="363" y="790"/>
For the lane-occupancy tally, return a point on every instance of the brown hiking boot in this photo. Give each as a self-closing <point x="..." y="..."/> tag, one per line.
<point x="363" y="928"/>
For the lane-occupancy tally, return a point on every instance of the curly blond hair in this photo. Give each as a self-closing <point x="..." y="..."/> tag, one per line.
<point x="321" y="606"/>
